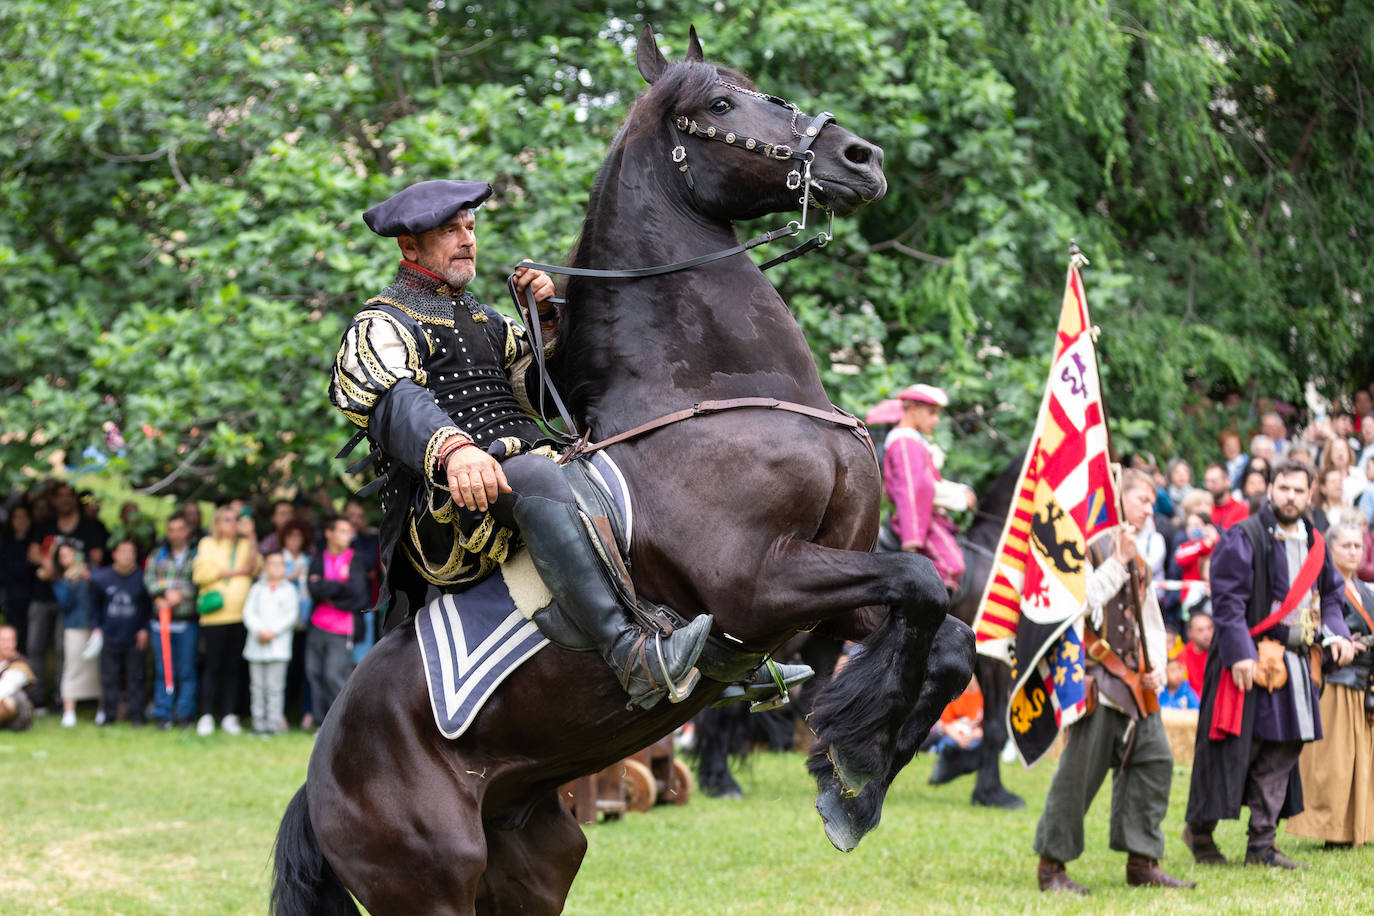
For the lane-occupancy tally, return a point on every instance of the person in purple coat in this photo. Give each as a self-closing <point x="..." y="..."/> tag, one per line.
<point x="1249" y="737"/>
<point x="920" y="496"/>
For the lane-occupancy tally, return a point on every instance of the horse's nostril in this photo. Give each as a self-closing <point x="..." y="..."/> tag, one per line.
<point x="859" y="155"/>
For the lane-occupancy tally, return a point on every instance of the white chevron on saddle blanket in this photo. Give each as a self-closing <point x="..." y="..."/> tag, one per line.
<point x="472" y="640"/>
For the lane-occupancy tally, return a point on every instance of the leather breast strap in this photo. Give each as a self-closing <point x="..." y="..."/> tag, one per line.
<point x="1352" y="592"/>
<point x="834" y="415"/>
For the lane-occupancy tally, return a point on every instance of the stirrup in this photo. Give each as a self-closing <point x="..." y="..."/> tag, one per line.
<point x="769" y="688"/>
<point x="679" y="691"/>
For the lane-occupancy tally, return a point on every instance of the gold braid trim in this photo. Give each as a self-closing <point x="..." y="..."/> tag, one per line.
<point x="374" y="365"/>
<point x="500" y="545"/>
<point x="512" y="348"/>
<point x="413" y="361"/>
<point x="357" y="419"/>
<point x="354" y="392"/>
<point x="452" y="572"/>
<point x="431" y="319"/>
<point x="480" y="535"/>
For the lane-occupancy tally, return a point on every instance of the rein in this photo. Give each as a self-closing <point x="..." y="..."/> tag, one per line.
<point x="796" y="179"/>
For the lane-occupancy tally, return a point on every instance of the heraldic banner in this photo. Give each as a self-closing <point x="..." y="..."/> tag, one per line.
<point x="1032" y="612"/>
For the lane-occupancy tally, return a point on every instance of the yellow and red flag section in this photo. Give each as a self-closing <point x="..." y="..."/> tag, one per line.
<point x="1032" y="611"/>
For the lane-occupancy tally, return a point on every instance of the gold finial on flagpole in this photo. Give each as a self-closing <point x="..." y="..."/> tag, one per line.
<point x="1076" y="259"/>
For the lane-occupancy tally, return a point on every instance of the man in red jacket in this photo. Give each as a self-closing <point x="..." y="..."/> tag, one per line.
<point x="1226" y="509"/>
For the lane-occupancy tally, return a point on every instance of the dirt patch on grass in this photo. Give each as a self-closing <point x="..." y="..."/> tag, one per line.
<point x="89" y="861"/>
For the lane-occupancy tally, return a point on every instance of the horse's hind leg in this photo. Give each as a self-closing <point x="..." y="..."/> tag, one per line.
<point x="530" y="869"/>
<point x="858" y="717"/>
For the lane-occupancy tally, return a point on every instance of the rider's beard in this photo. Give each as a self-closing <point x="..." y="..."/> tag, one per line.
<point x="458" y="275"/>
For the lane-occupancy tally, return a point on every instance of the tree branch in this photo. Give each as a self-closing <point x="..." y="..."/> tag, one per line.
<point x="903" y="249"/>
<point x="180" y="469"/>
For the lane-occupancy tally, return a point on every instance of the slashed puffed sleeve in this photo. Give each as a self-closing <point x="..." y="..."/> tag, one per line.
<point x="378" y="383"/>
<point x="377" y="351"/>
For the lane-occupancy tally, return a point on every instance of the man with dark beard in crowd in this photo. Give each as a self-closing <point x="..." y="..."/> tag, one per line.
<point x="1276" y="602"/>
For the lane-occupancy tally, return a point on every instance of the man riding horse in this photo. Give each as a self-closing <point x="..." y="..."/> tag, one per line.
<point x="439" y="383"/>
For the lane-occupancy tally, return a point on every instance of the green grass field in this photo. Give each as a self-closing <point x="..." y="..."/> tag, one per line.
<point x="124" y="821"/>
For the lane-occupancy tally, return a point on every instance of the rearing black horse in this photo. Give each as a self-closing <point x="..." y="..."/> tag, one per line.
<point x="725" y="732"/>
<point x="763" y="518"/>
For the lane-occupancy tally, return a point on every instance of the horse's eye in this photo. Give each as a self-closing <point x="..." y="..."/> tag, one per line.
<point x="720" y="106"/>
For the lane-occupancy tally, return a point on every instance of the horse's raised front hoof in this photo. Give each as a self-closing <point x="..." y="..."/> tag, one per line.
<point x="852" y="780"/>
<point x="844" y="822"/>
<point x="998" y="797"/>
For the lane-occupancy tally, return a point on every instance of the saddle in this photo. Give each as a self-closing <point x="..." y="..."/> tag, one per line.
<point x="603" y="496"/>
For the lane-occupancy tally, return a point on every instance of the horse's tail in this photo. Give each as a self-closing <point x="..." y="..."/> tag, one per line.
<point x="303" y="883"/>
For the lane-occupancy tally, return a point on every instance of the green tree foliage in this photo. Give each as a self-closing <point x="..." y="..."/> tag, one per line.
<point x="180" y="186"/>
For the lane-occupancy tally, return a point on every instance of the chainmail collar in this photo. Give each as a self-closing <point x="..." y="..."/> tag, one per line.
<point x="427" y="296"/>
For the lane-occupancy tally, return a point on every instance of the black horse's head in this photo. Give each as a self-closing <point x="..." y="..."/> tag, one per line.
<point x="743" y="153"/>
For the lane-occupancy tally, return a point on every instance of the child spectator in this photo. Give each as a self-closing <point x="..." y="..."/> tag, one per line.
<point x="71" y="583"/>
<point x="961" y="734"/>
<point x="1193" y="655"/>
<point x="1177" y="692"/>
<point x="269" y="615"/>
<point x="1193" y="556"/>
<point x="121" y="614"/>
<point x="295" y="550"/>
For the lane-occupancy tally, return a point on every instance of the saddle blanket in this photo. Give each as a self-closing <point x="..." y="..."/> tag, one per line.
<point x="471" y="641"/>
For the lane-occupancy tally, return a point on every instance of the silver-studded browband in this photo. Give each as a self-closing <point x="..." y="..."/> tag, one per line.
<point x="778" y="151"/>
<point x="797" y="179"/>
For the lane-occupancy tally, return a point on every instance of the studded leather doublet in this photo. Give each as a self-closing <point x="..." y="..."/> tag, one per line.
<point x="472" y="363"/>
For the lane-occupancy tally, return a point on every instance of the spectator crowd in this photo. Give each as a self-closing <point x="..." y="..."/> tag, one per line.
<point x="262" y="615"/>
<point x="175" y="623"/>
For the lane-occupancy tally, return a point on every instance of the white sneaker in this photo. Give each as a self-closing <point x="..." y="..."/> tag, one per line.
<point x="69" y="718"/>
<point x="100" y="717"/>
<point x="205" y="725"/>
<point x="231" y="725"/>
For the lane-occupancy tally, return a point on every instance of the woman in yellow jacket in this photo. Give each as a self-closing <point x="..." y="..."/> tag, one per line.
<point x="225" y="565"/>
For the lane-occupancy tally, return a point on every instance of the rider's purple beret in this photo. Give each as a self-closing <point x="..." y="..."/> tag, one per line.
<point x="424" y="206"/>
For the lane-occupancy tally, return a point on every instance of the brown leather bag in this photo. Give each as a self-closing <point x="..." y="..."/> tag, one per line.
<point x="1089" y="695"/>
<point x="1271" y="672"/>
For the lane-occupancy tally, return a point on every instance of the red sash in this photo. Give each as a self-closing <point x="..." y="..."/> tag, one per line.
<point x="1229" y="706"/>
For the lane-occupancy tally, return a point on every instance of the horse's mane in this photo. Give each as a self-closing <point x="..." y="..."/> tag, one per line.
<point x="579" y="368"/>
<point x="679" y="84"/>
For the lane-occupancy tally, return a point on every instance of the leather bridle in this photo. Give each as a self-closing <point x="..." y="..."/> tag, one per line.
<point x="797" y="179"/>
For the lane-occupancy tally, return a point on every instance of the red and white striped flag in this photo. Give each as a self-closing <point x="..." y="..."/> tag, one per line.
<point x="1031" y="613"/>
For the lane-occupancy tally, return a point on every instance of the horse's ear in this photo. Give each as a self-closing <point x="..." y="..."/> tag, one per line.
<point x="651" y="61"/>
<point x="693" y="46"/>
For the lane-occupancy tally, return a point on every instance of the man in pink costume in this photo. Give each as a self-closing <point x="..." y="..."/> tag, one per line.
<point x="921" y="497"/>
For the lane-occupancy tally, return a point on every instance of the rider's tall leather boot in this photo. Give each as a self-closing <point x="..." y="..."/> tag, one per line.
<point x="648" y="664"/>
